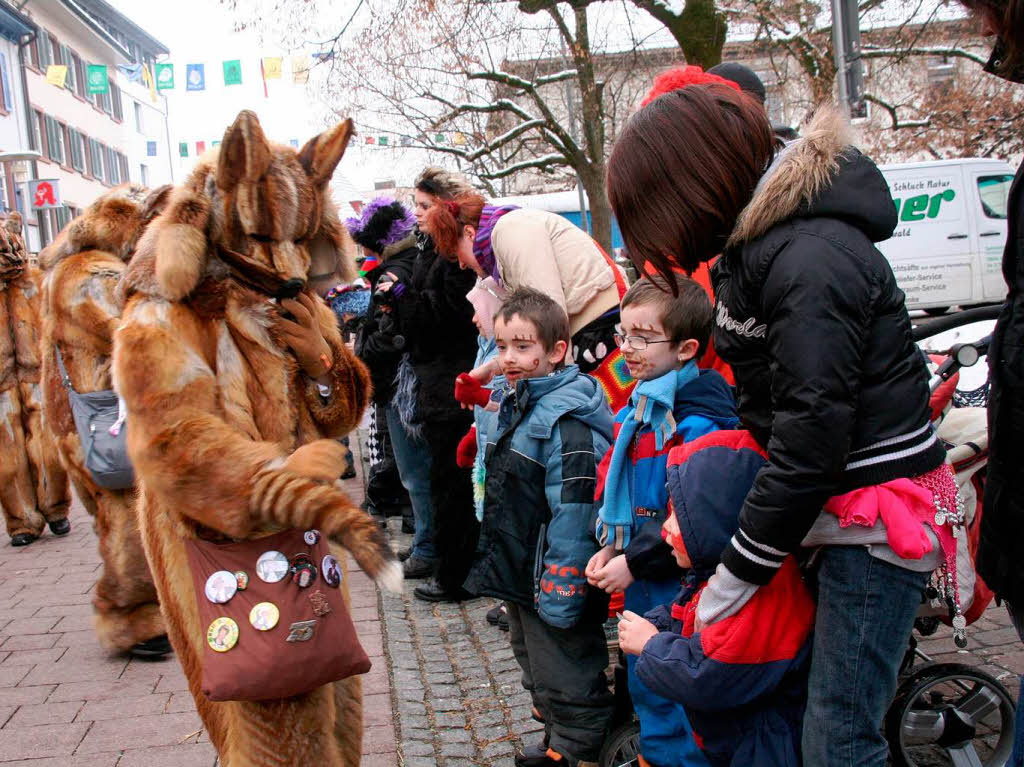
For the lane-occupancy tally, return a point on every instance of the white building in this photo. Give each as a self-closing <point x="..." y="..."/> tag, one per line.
<point x="90" y="142"/>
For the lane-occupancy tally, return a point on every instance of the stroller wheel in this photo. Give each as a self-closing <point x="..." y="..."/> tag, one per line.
<point x="950" y="714"/>
<point x="622" y="749"/>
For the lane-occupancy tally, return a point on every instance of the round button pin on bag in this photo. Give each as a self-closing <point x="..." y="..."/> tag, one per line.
<point x="222" y="634"/>
<point x="264" y="616"/>
<point x="311" y="537"/>
<point x="242" y="579"/>
<point x="220" y="587"/>
<point x="331" y="571"/>
<point x="272" y="566"/>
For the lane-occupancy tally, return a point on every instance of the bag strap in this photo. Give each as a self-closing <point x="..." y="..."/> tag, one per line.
<point x="64" y="377"/>
<point x="620" y="282"/>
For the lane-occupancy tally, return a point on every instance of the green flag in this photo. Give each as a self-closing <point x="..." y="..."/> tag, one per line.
<point x="439" y="138"/>
<point x="164" y="77"/>
<point x="233" y="72"/>
<point x="97" y="77"/>
<point x="183" y="148"/>
<point x="383" y="141"/>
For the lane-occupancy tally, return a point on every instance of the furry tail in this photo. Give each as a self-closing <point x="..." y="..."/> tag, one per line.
<point x="285" y="498"/>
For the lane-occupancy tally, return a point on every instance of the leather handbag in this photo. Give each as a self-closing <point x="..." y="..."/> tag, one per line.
<point x="100" y="422"/>
<point x="304" y="640"/>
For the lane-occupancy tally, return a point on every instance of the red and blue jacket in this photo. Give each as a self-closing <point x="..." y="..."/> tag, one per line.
<point x="703" y="405"/>
<point x="743" y="679"/>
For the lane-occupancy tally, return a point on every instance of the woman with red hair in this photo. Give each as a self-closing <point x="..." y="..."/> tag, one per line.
<point x="525" y="248"/>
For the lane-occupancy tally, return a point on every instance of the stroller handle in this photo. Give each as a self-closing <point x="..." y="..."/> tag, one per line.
<point x="965" y="317"/>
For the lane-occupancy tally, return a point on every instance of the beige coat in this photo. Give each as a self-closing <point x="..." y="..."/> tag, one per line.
<point x="541" y="250"/>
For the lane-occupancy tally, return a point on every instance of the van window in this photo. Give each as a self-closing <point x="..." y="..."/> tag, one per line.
<point x="994" y="192"/>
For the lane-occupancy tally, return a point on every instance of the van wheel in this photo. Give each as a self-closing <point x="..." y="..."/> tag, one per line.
<point x="936" y="311"/>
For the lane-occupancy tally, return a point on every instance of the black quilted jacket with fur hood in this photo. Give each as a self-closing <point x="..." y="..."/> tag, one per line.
<point x="810" y="318"/>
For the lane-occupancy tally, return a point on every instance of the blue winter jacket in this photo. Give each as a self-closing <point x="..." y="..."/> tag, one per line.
<point x="537" y="531"/>
<point x="743" y="679"/>
<point x="703" y="405"/>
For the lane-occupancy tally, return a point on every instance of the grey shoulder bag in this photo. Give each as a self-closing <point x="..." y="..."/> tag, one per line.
<point x="99" y="420"/>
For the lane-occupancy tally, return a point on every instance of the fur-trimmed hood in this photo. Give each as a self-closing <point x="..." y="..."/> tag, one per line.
<point x="820" y="174"/>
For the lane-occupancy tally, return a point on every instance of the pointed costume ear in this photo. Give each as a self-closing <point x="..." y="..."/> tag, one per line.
<point x="244" y="152"/>
<point x="181" y="244"/>
<point x="156" y="201"/>
<point x="321" y="154"/>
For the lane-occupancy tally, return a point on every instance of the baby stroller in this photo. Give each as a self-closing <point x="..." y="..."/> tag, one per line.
<point x="953" y="713"/>
<point x="942" y="713"/>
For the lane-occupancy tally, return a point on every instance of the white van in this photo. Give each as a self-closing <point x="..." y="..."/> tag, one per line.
<point x="951" y="228"/>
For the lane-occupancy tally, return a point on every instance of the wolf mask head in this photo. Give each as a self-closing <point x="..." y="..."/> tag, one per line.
<point x="257" y="208"/>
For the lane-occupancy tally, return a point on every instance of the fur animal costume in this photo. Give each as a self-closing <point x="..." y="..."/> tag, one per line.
<point x="33" y="486"/>
<point x="80" y="292"/>
<point x="225" y="429"/>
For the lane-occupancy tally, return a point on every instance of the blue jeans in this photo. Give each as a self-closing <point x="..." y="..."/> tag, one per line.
<point x="866" y="609"/>
<point x="413" y="460"/>
<point x="666" y="738"/>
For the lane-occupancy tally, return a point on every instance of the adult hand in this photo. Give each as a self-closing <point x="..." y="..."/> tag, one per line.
<point x="634" y="632"/>
<point x="303" y="336"/>
<point x="614" y="576"/>
<point x="599" y="560"/>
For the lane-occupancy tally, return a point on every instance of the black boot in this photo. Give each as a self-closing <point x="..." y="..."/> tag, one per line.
<point x="152" y="649"/>
<point x="60" y="526"/>
<point x="431" y="591"/>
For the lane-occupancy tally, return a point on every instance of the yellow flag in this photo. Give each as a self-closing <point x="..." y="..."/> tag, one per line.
<point x="272" y="68"/>
<point x="147" y="80"/>
<point x="460" y="139"/>
<point x="56" y="74"/>
<point x="300" y="69"/>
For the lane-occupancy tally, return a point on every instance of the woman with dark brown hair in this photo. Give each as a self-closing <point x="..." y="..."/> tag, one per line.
<point x="527" y="248"/>
<point x="1001" y="548"/>
<point x="829" y="381"/>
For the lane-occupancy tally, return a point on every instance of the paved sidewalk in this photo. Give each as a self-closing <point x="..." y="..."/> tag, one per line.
<point x="64" y="702"/>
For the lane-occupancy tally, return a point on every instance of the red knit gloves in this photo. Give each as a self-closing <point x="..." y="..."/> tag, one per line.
<point x="465" y="453"/>
<point x="468" y="391"/>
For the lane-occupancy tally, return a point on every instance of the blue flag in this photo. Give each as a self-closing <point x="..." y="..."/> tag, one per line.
<point x="150" y="149"/>
<point x="195" y="77"/>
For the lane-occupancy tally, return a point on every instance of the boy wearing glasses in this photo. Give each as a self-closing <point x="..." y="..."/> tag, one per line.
<point x="664" y="329"/>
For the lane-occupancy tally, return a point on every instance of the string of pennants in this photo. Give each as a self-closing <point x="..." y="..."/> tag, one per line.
<point x="162" y="75"/>
<point x="386" y="141"/>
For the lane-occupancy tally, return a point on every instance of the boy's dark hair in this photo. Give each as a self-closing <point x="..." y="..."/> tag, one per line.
<point x="547" y="316"/>
<point x="685" y="315"/>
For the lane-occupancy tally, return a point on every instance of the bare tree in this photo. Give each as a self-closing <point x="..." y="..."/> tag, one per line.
<point x="501" y="88"/>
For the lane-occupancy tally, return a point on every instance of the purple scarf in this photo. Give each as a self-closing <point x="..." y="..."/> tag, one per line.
<point x="482" y="249"/>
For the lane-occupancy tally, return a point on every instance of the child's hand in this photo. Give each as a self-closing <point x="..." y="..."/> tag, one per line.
<point x="614" y="576"/>
<point x="634" y="632"/>
<point x="599" y="560"/>
<point x="485" y="372"/>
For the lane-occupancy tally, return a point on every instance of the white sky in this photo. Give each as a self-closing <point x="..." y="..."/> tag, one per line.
<point x="202" y="31"/>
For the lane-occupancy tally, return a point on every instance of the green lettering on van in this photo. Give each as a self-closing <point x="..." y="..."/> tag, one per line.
<point x="921" y="206"/>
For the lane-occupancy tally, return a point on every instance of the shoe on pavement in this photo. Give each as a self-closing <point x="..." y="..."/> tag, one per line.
<point x="23" y="539"/>
<point x="503" y="618"/>
<point x="60" y="526"/>
<point x="417" y="567"/>
<point x="404" y="554"/>
<point x="152" y="649"/>
<point x="431" y="591"/>
<point x="539" y="755"/>
<point x="494" y="612"/>
<point x="408" y="526"/>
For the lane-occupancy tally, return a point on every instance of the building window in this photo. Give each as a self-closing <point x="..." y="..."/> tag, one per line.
<point x="115" y="94"/>
<point x="33" y="52"/>
<point x="45" y="51"/>
<point x="122" y="167"/>
<point x="941" y="72"/>
<point x="138" y="116"/>
<point x="102" y="100"/>
<point x="79" y="67"/>
<point x="113" y="167"/>
<point x="144" y="174"/>
<point x="96" y="158"/>
<point x="7" y="96"/>
<point x="55" y="140"/>
<point x="38" y="131"/>
<point x="76" y="150"/>
<point x="59" y="217"/>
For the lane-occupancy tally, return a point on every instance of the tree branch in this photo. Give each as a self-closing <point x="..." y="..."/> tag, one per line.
<point x="542" y="163"/>
<point x="868" y="52"/>
<point x="896" y="123"/>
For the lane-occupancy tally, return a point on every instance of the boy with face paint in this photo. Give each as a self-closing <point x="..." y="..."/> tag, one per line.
<point x="742" y="681"/>
<point x="663" y="331"/>
<point x="553" y="425"/>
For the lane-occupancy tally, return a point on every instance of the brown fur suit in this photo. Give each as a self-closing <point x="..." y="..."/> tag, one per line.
<point x="83" y="268"/>
<point x="33" y="486"/>
<point x="225" y="430"/>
